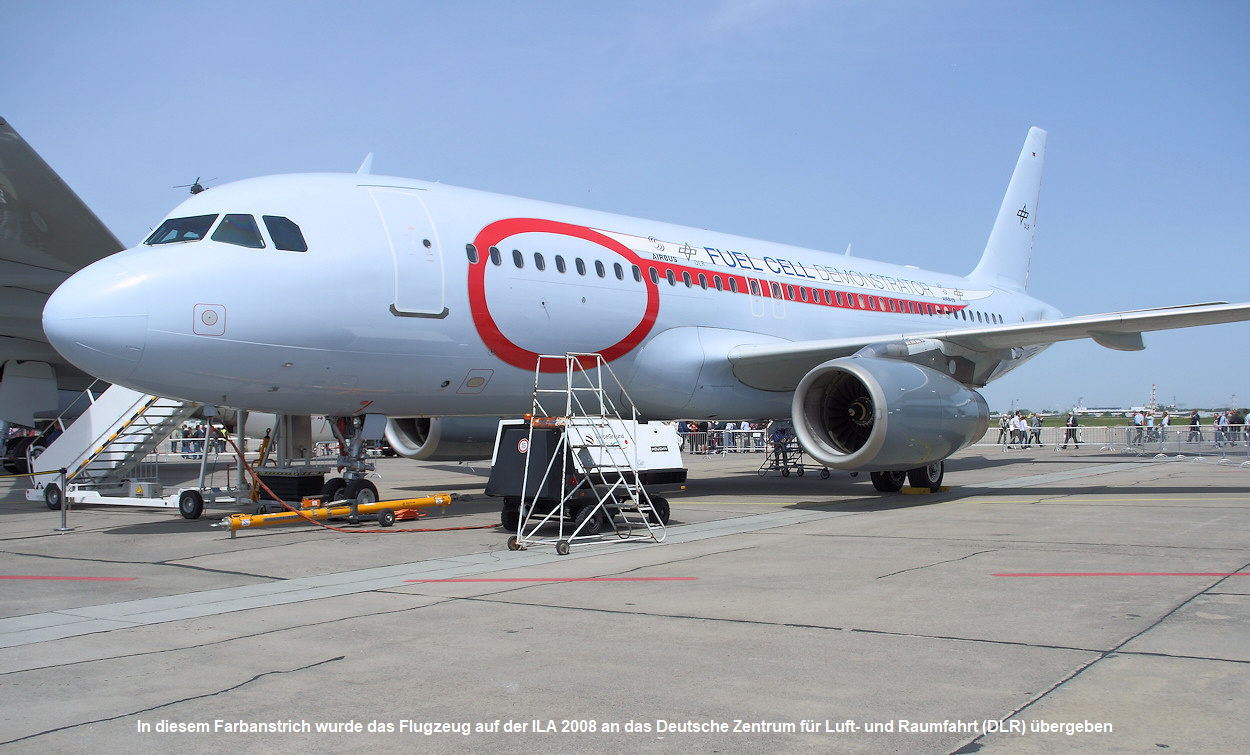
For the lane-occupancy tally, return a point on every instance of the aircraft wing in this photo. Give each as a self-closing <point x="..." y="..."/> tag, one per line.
<point x="46" y="233"/>
<point x="780" y="367"/>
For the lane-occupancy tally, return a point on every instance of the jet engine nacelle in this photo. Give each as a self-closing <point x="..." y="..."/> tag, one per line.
<point x="442" y="438"/>
<point x="873" y="414"/>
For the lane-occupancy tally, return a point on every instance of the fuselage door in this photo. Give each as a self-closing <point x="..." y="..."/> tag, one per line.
<point x="419" y="287"/>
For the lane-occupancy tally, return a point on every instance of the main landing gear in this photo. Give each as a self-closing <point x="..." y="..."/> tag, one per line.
<point x="927" y="477"/>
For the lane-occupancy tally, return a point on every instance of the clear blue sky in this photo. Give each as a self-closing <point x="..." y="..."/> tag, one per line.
<point x="892" y="126"/>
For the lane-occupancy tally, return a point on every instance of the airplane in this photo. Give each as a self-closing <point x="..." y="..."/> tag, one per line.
<point x="422" y="308"/>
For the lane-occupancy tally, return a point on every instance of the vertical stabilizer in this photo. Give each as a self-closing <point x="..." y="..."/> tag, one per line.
<point x="1005" y="261"/>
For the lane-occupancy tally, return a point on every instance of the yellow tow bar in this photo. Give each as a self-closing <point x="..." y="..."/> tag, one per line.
<point x="311" y="509"/>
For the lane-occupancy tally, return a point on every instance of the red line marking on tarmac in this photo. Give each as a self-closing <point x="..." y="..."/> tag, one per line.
<point x="564" y="579"/>
<point x="72" y="579"/>
<point x="1134" y="574"/>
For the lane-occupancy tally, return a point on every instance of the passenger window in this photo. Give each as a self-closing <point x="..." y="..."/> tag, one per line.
<point x="495" y="259"/>
<point x="581" y="266"/>
<point x="655" y="276"/>
<point x="181" y="229"/>
<point x="560" y="266"/>
<point x="685" y="278"/>
<point x="620" y="271"/>
<point x="539" y="262"/>
<point x="776" y="287"/>
<point x="286" y="234"/>
<point x="599" y="270"/>
<point x="637" y="273"/>
<point x="239" y="230"/>
<point x="755" y="287"/>
<point x="733" y="285"/>
<point x="672" y="279"/>
<point x="702" y="281"/>
<point x="518" y="259"/>
<point x="469" y="250"/>
<point x="717" y="283"/>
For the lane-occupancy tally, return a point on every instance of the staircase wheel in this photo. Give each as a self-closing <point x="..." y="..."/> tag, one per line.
<point x="190" y="504"/>
<point x="53" y="497"/>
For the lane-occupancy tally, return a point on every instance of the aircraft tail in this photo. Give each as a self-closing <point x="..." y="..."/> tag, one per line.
<point x="1005" y="261"/>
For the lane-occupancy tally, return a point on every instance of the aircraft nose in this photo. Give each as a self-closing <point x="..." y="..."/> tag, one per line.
<point x="98" y="320"/>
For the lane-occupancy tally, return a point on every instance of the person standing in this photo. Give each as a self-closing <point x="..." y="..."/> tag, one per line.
<point x="1195" y="427"/>
<point x="1069" y="433"/>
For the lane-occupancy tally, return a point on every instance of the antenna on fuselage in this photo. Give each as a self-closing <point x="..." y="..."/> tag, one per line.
<point x="366" y="168"/>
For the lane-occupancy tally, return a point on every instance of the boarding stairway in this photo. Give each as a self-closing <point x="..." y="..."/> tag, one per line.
<point x="102" y="447"/>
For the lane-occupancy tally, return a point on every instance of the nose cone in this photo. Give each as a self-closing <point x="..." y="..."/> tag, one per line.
<point x="98" y="320"/>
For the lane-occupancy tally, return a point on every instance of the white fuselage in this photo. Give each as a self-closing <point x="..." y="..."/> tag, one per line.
<point x="387" y="312"/>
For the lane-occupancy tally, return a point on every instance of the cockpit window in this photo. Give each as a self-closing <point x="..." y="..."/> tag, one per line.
<point x="286" y="234"/>
<point x="240" y="230"/>
<point x="181" y="229"/>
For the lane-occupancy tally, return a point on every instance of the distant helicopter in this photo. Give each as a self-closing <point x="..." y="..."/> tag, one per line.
<point x="196" y="187"/>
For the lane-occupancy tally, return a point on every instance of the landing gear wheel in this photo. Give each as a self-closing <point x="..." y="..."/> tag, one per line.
<point x="386" y="517"/>
<point x="589" y="520"/>
<point x="362" y="491"/>
<point x="513" y="545"/>
<point x="52" y="497"/>
<point x="824" y="474"/>
<point x="190" y="504"/>
<point x="511" y="520"/>
<point x="333" y="489"/>
<point x="888" y="482"/>
<point x="562" y="547"/>
<point x="659" y="511"/>
<point x="929" y="476"/>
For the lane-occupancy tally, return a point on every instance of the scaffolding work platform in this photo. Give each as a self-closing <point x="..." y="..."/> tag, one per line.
<point x="578" y="470"/>
<point x="785" y="455"/>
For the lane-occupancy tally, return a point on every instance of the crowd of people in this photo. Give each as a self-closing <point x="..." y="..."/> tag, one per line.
<point x="1022" y="429"/>
<point x="733" y="436"/>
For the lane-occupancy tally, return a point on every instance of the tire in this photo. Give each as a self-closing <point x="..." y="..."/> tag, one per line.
<point x="190" y="504"/>
<point x="511" y="520"/>
<point x="386" y="517"/>
<point x="333" y="490"/>
<point x="16" y="463"/>
<point x="888" y="482"/>
<point x="824" y="474"/>
<point x="592" y="527"/>
<point x="362" y="491"/>
<point x="52" y="497"/>
<point x="659" y="511"/>
<point x="562" y="547"/>
<point x="929" y="476"/>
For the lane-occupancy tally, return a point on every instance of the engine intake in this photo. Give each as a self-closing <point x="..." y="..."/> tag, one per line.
<point x="442" y="438"/>
<point x="873" y="414"/>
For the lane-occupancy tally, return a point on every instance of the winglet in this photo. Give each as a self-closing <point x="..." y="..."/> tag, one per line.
<point x="1005" y="261"/>
<point x="366" y="168"/>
